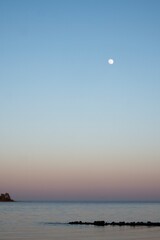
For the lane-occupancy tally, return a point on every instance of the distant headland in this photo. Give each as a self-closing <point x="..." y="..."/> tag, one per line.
<point x="5" y="197"/>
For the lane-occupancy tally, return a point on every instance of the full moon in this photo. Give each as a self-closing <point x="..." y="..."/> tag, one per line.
<point x="110" y="61"/>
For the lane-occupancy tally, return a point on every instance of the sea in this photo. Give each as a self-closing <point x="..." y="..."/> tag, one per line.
<point x="49" y="220"/>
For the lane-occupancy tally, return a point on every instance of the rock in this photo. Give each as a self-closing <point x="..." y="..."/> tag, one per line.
<point x="5" y="198"/>
<point x="131" y="224"/>
<point x="99" y="223"/>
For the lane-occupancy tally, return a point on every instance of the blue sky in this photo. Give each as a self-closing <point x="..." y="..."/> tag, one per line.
<point x="62" y="104"/>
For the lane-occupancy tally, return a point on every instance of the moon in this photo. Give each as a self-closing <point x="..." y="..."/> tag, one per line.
<point x="110" y="61"/>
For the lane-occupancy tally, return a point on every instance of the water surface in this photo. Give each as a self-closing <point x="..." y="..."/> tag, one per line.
<point x="48" y="220"/>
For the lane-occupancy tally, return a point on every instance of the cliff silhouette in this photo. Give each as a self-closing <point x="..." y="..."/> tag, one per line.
<point x="5" y="197"/>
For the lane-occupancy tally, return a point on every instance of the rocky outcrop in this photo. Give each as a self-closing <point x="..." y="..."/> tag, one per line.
<point x="5" y="198"/>
<point x="131" y="224"/>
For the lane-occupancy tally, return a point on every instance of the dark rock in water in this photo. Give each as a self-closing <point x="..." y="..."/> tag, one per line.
<point x="99" y="223"/>
<point x="5" y="198"/>
<point x="131" y="224"/>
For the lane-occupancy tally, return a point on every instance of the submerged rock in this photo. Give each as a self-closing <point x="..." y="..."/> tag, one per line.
<point x="5" y="198"/>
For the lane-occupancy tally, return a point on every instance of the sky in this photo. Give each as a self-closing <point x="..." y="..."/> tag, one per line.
<point x="72" y="126"/>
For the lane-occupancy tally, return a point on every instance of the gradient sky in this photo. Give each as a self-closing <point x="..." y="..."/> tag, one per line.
<point x="73" y="127"/>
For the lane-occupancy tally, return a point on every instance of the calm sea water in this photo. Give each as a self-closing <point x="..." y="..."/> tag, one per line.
<point x="48" y="220"/>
